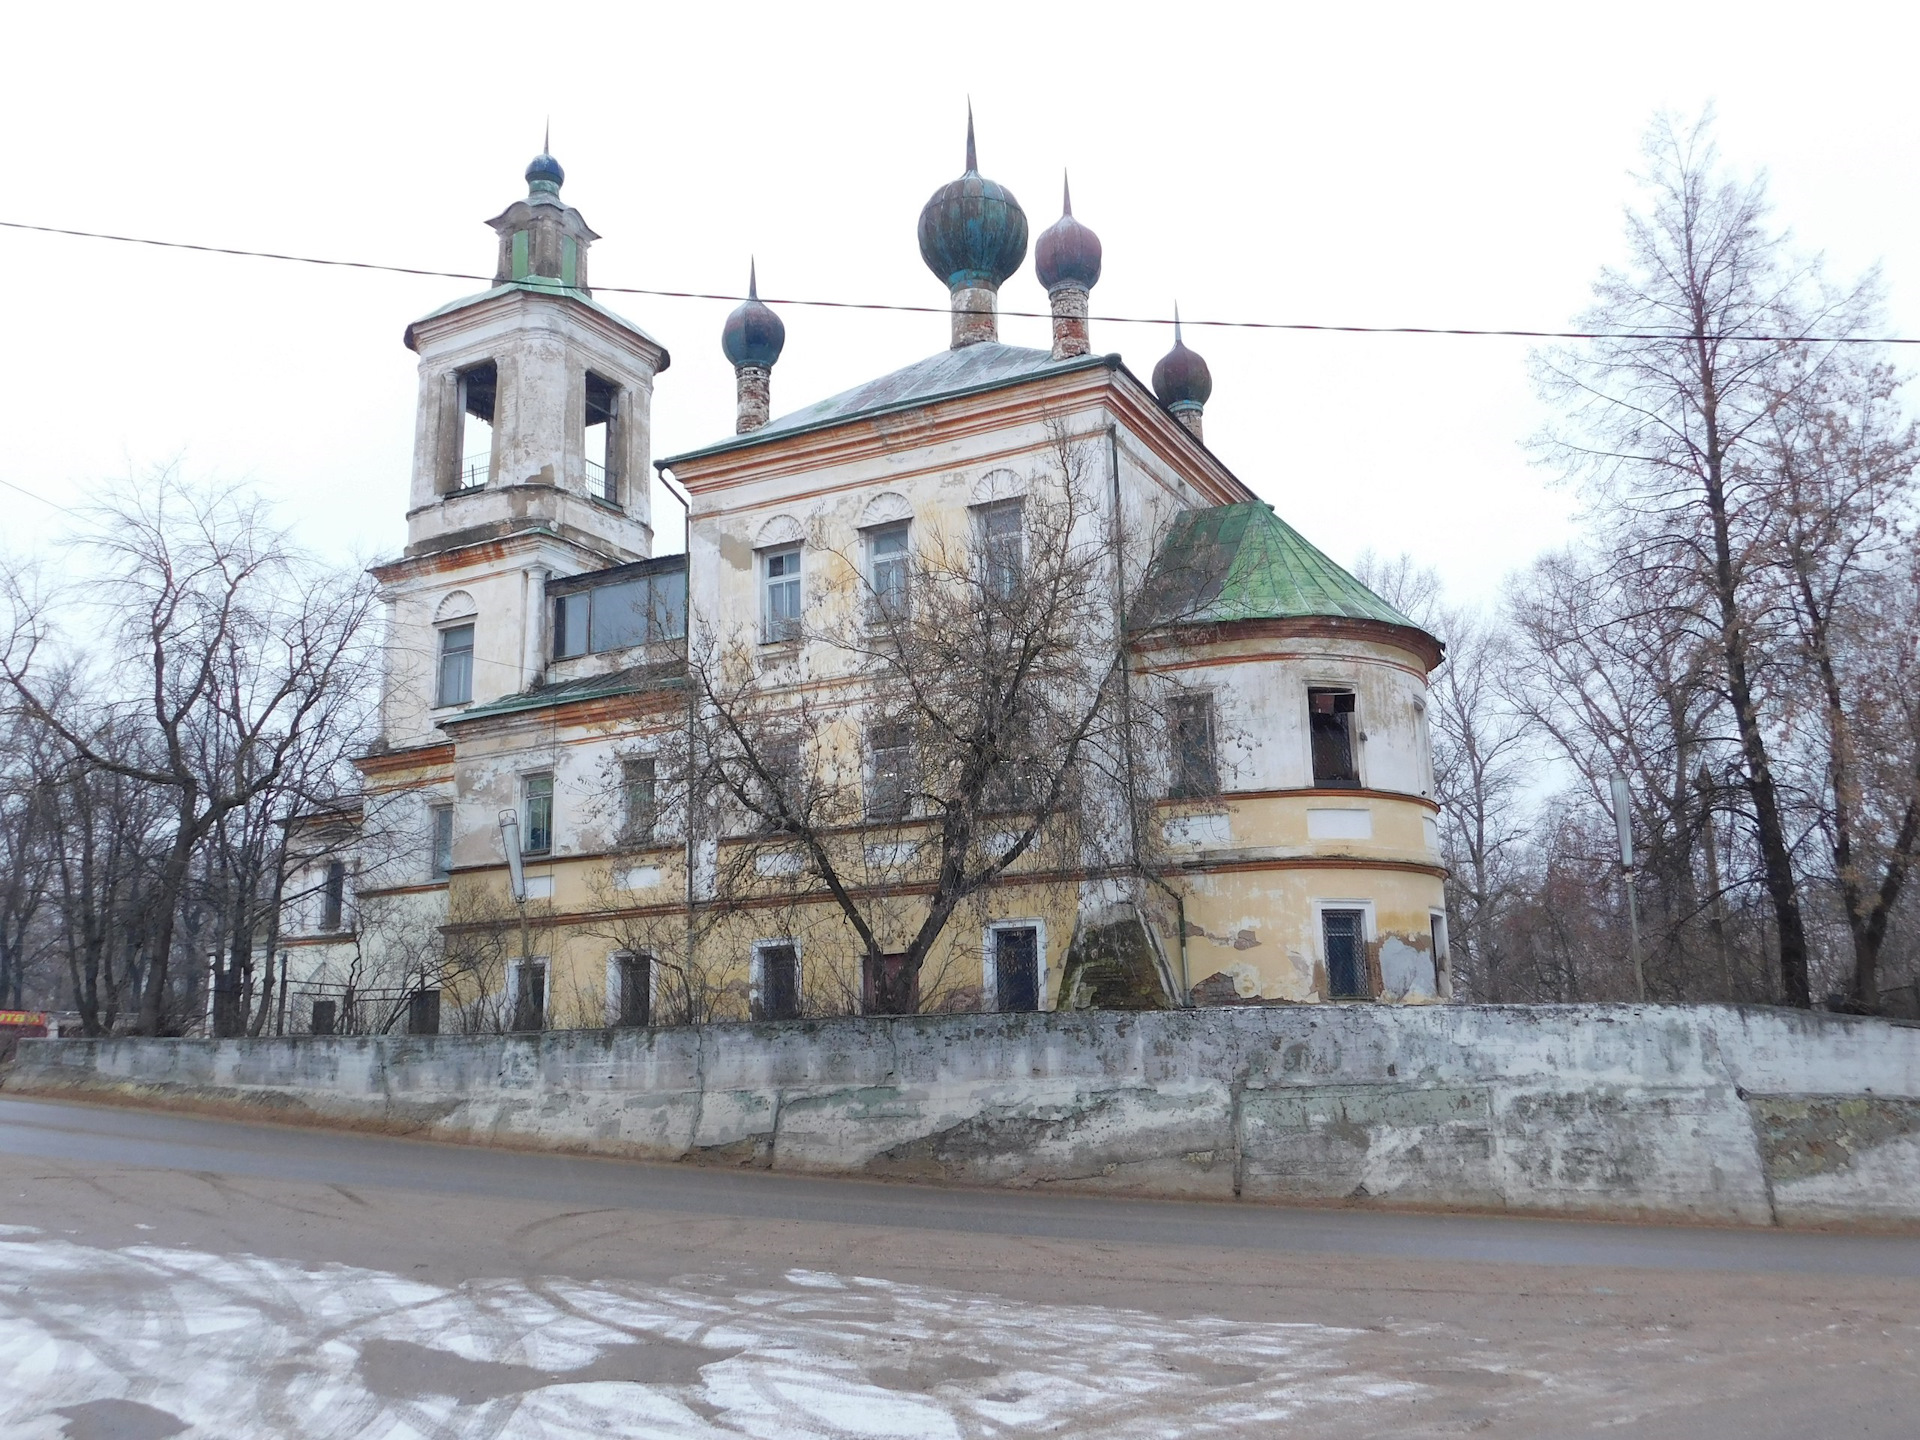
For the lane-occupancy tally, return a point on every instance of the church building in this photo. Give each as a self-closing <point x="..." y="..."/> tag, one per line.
<point x="534" y="846"/>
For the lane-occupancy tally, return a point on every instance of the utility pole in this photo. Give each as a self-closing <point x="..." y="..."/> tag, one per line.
<point x="1623" y="823"/>
<point x="517" y="883"/>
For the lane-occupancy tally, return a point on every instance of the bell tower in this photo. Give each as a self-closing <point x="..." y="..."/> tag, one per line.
<point x="530" y="460"/>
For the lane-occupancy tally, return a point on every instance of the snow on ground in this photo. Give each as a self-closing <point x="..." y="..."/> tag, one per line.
<point x="145" y="1342"/>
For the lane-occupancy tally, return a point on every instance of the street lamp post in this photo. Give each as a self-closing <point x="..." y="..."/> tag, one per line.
<point x="1623" y="824"/>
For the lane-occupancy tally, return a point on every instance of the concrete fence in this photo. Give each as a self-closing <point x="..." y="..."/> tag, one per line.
<point x="1715" y="1113"/>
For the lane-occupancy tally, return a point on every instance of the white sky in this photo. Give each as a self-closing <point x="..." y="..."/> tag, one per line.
<point x="1420" y="164"/>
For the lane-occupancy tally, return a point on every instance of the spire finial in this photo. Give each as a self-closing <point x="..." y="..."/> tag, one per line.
<point x="753" y="278"/>
<point x="973" y="163"/>
<point x="1176" y="322"/>
<point x="1066" y="194"/>
<point x="546" y="137"/>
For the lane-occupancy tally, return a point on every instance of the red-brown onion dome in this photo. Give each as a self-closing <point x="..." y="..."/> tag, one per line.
<point x="1067" y="252"/>
<point x="1182" y="377"/>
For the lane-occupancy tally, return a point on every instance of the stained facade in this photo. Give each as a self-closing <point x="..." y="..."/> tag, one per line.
<point x="536" y="692"/>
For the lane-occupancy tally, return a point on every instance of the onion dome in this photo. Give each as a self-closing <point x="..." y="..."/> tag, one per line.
<point x="1182" y="379"/>
<point x="973" y="233"/>
<point x="544" y="175"/>
<point x="1067" y="252"/>
<point x="753" y="334"/>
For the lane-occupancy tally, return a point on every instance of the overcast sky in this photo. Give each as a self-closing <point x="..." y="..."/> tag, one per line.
<point x="1444" y="165"/>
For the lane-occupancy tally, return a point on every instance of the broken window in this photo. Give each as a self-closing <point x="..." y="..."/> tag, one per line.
<point x="635" y="975"/>
<point x="333" y="899"/>
<point x="887" y="987"/>
<point x="456" y="665"/>
<point x="1016" y="968"/>
<point x="890" y="773"/>
<point x="640" y="611"/>
<point x="779" y="785"/>
<point x="539" y="821"/>
<point x="1330" y="718"/>
<point x="1344" y="935"/>
<point x="603" y="438"/>
<point x="1002" y="539"/>
<point x="887" y="562"/>
<point x="474" y="450"/>
<point x="781" y="620"/>
<point x="1190" y="739"/>
<point x="423" y="1012"/>
<point x="440" y="864"/>
<point x="637" y="788"/>
<point x="529" y="995"/>
<point x="776" y="989"/>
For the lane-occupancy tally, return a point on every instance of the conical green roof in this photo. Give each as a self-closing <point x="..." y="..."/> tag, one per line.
<point x="1243" y="562"/>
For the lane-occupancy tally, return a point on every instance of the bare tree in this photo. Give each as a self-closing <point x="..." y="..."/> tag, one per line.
<point x="244" y="650"/>
<point x="1662" y="419"/>
<point x="978" y="723"/>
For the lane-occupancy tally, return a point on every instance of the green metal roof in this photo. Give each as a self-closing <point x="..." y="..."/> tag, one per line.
<point x="634" y="680"/>
<point x="1243" y="562"/>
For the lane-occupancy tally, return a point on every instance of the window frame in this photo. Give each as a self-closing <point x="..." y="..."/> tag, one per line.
<point x="542" y="965"/>
<point x="881" y="609"/>
<point x="990" y="963"/>
<point x="757" y="980"/>
<point x="439" y="818"/>
<point x="1182" y="783"/>
<point x="638" y="826"/>
<point x="1368" y="933"/>
<point x="782" y="629"/>
<point x="441" y="699"/>
<point x="999" y="578"/>
<point x="901" y="808"/>
<point x="619" y="1009"/>
<point x="608" y="491"/>
<point x="529" y="796"/>
<point x="1350" y="726"/>
<point x="333" y="899"/>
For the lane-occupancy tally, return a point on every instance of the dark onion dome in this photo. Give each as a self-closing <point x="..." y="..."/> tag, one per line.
<point x="1067" y="252"/>
<point x="1181" y="377"/>
<point x="544" y="173"/>
<point x="753" y="334"/>
<point x="973" y="232"/>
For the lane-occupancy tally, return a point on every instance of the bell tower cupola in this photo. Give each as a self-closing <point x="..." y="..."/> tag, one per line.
<point x="535" y="399"/>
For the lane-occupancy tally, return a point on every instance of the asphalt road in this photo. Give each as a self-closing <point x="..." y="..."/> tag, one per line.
<point x="164" y="1275"/>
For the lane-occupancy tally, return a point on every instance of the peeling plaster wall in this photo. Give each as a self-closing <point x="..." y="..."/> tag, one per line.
<point x="1714" y="1113"/>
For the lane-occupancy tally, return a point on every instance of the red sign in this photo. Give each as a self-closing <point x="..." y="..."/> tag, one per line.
<point x="24" y="1019"/>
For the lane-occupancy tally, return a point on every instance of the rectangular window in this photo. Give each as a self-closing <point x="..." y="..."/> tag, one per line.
<point x="637" y="790"/>
<point x="1016" y="968"/>
<point x="570" y="624"/>
<point x="1003" y="543"/>
<point x="1190" y="739"/>
<point x="473" y="447"/>
<point x="887" y="987"/>
<point x="539" y="815"/>
<point x="887" y="562"/>
<point x="782" y="786"/>
<point x="636" y="989"/>
<point x="1330" y="718"/>
<point x="326" y="1016"/>
<point x="333" y="899"/>
<point x="602" y="442"/>
<point x="782" y="617"/>
<point x="776" y="995"/>
<point x="456" y="665"/>
<point x="890" y="772"/>
<point x="529" y="995"/>
<point x="1344" y="933"/>
<point x="441" y="862"/>
<point x="423" y="1012"/>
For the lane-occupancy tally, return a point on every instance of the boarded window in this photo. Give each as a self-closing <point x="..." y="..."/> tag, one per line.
<point x="777" y="996"/>
<point x="1190" y="739"/>
<point x="333" y="899"/>
<point x="1345" y="936"/>
<point x="636" y="989"/>
<point x="440" y="865"/>
<point x="637" y="787"/>
<point x="326" y="1016"/>
<point x="1016" y="968"/>
<point x="780" y="788"/>
<point x="1330" y="719"/>
<point x="423" y="1012"/>
<point x="456" y="665"/>
<point x="887" y="986"/>
<point x="890" y="771"/>
<point x="539" y="807"/>
<point x="530" y="995"/>
<point x="781" y="617"/>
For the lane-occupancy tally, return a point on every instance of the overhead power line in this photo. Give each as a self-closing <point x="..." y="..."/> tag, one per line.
<point x="1296" y="326"/>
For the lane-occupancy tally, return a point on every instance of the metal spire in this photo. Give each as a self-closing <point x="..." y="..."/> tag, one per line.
<point x="973" y="164"/>
<point x="1066" y="195"/>
<point x="753" y="278"/>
